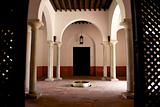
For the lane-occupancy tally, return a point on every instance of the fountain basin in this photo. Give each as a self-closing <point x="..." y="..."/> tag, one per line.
<point x="81" y="83"/>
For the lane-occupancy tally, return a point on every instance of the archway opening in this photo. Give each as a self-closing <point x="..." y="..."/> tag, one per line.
<point x="92" y="40"/>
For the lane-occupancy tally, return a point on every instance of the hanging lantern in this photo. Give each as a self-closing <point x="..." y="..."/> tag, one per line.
<point x="81" y="39"/>
<point x="109" y="38"/>
<point x="54" y="38"/>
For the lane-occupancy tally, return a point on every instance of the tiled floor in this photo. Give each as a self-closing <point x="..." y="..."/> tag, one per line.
<point x="61" y="94"/>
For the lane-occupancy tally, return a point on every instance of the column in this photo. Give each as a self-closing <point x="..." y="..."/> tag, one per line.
<point x="111" y="74"/>
<point x="113" y="60"/>
<point x="104" y="44"/>
<point x="36" y="24"/>
<point x="58" y="61"/>
<point x="50" y="61"/>
<point x="28" y="53"/>
<point x="130" y="58"/>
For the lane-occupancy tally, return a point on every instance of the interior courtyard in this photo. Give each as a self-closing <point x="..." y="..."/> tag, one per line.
<point x="79" y="40"/>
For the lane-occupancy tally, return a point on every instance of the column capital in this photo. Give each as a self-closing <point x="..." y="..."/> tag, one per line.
<point x="126" y="22"/>
<point x="113" y="42"/>
<point x="50" y="42"/>
<point x="29" y="28"/>
<point x="58" y="44"/>
<point x="105" y="43"/>
<point x="35" y="23"/>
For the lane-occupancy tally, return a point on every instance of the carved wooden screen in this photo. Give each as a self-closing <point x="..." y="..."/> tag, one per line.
<point x="146" y="18"/>
<point x="13" y="22"/>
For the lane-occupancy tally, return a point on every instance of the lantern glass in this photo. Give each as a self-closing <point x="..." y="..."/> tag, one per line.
<point x="81" y="39"/>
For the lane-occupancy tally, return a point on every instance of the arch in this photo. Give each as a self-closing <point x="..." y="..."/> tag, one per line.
<point x="122" y="8"/>
<point x="89" y="41"/>
<point x="40" y="10"/>
<point x="46" y="9"/>
<point x="69" y="23"/>
<point x="113" y="8"/>
<point x="115" y="22"/>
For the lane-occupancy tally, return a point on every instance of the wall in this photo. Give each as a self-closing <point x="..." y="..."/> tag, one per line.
<point x="72" y="33"/>
<point x="127" y="6"/>
<point x="121" y="48"/>
<point x="92" y="38"/>
<point x="42" y="45"/>
<point x="63" y="19"/>
<point x="33" y="9"/>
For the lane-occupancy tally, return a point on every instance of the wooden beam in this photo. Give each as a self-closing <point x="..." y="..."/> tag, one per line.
<point x="110" y="2"/>
<point x="92" y="4"/>
<point x="58" y="4"/>
<point x="86" y="4"/>
<point x="106" y="4"/>
<point x="83" y="3"/>
<point x="79" y="5"/>
<point x="100" y="5"/>
<point x="89" y="5"/>
<point x="95" y="4"/>
<point x="54" y="5"/>
<point x="69" y="4"/>
<point x="64" y="5"/>
<point x="74" y="2"/>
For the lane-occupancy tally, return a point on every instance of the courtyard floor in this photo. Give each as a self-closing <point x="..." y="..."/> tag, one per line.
<point x="60" y="93"/>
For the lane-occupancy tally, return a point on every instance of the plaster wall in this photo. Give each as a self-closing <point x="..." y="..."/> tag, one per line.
<point x="92" y="39"/>
<point x="121" y="48"/>
<point x="64" y="19"/>
<point x="33" y="9"/>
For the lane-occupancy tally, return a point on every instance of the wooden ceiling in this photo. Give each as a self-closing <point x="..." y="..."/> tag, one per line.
<point x="74" y="5"/>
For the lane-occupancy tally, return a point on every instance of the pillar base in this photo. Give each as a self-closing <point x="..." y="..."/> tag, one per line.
<point x="105" y="78"/>
<point x="128" y="95"/>
<point x="32" y="95"/>
<point x="26" y="91"/>
<point x="49" y="79"/>
<point x="114" y="79"/>
<point x="58" y="78"/>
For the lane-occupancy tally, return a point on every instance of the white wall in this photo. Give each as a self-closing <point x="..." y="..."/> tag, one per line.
<point x="127" y="6"/>
<point x="42" y="45"/>
<point x="33" y="9"/>
<point x="92" y="39"/>
<point x="121" y="48"/>
<point x="115" y="25"/>
<point x="42" y="48"/>
<point x="64" y="19"/>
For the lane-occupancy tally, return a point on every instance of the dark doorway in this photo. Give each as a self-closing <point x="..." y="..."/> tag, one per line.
<point x="81" y="61"/>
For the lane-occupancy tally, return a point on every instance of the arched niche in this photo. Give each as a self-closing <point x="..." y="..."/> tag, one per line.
<point x="91" y="38"/>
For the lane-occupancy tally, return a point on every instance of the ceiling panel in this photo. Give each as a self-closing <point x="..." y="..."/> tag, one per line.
<point x="74" y="5"/>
